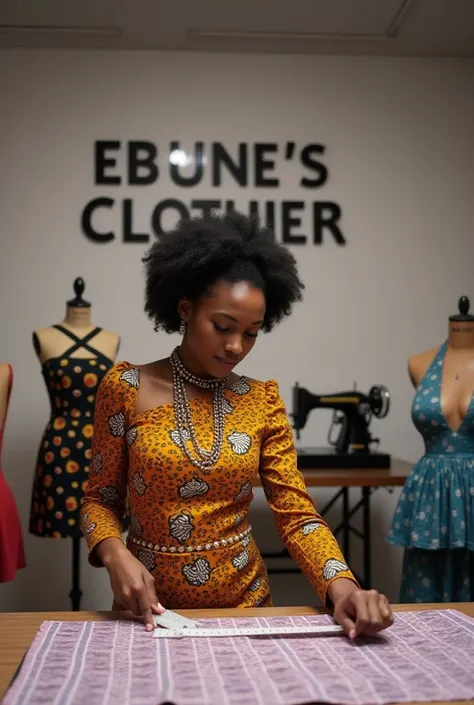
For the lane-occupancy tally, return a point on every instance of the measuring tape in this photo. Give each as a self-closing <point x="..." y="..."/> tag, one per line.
<point x="199" y="632"/>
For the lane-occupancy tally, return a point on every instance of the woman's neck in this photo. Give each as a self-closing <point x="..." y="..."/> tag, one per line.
<point x="190" y="362"/>
<point x="78" y="317"/>
<point x="461" y="335"/>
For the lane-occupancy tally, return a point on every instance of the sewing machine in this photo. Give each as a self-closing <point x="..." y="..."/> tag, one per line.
<point x="353" y="412"/>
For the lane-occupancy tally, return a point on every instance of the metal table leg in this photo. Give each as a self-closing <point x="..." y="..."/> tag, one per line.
<point x="366" y="492"/>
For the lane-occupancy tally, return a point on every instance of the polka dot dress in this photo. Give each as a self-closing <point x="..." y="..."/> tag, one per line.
<point x="434" y="518"/>
<point x="63" y="460"/>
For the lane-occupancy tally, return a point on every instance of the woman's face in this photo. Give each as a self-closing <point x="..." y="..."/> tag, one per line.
<point x="222" y="328"/>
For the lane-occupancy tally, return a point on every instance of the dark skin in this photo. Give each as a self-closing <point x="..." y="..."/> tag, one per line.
<point x="221" y="330"/>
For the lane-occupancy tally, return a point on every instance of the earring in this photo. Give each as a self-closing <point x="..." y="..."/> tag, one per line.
<point x="182" y="328"/>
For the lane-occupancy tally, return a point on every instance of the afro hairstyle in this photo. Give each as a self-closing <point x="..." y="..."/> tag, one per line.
<point x="187" y="261"/>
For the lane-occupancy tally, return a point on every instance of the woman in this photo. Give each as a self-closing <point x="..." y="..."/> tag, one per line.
<point x="184" y="438"/>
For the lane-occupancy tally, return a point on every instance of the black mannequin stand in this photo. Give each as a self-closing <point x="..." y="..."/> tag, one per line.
<point x="76" y="592"/>
<point x="78" y="301"/>
<point x="463" y="315"/>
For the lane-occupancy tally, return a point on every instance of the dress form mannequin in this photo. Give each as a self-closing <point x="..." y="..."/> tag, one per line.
<point x="50" y="342"/>
<point x="12" y="556"/>
<point x="434" y="519"/>
<point x="74" y="356"/>
<point x="458" y="375"/>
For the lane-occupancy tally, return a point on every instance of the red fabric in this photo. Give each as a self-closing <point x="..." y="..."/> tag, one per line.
<point x="12" y="553"/>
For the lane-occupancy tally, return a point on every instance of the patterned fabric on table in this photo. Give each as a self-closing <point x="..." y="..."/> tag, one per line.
<point x="434" y="519"/>
<point x="189" y="527"/>
<point x="423" y="657"/>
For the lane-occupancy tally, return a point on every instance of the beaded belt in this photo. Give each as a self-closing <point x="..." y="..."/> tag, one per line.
<point x="189" y="549"/>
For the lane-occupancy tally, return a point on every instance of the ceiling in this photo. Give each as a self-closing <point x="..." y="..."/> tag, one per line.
<point x="350" y="27"/>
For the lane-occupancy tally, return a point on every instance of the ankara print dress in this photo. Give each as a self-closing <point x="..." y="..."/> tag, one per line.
<point x="434" y="518"/>
<point x="189" y="526"/>
<point x="63" y="459"/>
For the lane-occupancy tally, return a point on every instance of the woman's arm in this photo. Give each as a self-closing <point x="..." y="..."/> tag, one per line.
<point x="301" y="528"/>
<point x="105" y="497"/>
<point x="104" y="503"/>
<point x="305" y="533"/>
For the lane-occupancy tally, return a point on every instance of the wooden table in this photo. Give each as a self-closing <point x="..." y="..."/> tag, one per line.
<point x="393" y="476"/>
<point x="18" y="629"/>
<point x="368" y="480"/>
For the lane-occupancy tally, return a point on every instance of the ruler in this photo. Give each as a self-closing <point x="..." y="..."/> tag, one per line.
<point x="199" y="632"/>
<point x="173" y="620"/>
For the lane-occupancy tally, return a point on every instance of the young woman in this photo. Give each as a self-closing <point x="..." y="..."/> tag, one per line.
<point x="183" y="439"/>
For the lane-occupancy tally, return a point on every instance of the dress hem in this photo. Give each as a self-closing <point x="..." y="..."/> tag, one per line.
<point x="429" y="546"/>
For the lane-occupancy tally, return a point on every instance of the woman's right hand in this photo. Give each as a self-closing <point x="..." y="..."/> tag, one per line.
<point x="132" y="585"/>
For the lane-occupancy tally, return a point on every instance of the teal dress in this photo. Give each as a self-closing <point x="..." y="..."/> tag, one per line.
<point x="434" y="518"/>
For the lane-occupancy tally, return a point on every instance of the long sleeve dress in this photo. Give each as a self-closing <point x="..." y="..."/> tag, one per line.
<point x="189" y="527"/>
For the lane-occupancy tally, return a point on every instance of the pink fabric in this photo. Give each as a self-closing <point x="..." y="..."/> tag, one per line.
<point x="12" y="551"/>
<point x="425" y="656"/>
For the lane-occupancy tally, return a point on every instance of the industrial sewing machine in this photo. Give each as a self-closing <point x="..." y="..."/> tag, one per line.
<point x="353" y="412"/>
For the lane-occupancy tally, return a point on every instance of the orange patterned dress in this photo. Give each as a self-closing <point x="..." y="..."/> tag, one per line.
<point x="189" y="527"/>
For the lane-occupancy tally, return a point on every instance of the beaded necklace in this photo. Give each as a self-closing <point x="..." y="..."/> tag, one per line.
<point x="205" y="458"/>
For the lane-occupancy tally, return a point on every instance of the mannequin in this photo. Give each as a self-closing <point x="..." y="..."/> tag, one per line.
<point x="434" y="519"/>
<point x="12" y="554"/>
<point x="50" y="342"/>
<point x="74" y="355"/>
<point x="458" y="376"/>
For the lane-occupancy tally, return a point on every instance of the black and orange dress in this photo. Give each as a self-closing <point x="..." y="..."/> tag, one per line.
<point x="64" y="455"/>
<point x="189" y="527"/>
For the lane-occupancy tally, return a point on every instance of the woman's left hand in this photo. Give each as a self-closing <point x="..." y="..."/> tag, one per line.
<point x="363" y="612"/>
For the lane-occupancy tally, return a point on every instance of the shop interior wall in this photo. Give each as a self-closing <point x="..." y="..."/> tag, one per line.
<point x="396" y="140"/>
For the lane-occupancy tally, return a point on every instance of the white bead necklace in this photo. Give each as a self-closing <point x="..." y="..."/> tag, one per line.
<point x="184" y="425"/>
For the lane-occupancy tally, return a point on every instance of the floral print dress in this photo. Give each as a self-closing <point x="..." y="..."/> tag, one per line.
<point x="434" y="517"/>
<point x="189" y="527"/>
<point x="64" y="455"/>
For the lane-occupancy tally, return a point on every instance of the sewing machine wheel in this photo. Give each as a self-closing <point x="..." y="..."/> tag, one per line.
<point x="379" y="400"/>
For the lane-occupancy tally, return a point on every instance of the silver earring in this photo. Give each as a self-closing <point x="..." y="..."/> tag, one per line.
<point x="182" y="328"/>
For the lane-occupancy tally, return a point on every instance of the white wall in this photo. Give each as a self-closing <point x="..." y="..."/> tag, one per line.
<point x="400" y="154"/>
